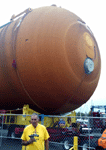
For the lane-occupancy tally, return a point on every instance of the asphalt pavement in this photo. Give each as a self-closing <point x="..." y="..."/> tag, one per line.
<point x="15" y="144"/>
<point x="10" y="144"/>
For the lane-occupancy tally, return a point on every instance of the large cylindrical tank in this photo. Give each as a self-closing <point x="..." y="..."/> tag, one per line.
<point x="49" y="59"/>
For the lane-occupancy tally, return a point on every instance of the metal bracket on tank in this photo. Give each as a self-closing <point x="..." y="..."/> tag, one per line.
<point x="24" y="12"/>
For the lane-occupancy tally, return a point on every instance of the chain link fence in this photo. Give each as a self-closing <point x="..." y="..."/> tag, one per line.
<point x="62" y="130"/>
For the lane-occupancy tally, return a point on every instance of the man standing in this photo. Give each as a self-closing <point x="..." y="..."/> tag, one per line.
<point x="39" y="142"/>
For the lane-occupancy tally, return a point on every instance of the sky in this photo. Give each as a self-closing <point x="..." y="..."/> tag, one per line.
<point x="93" y="12"/>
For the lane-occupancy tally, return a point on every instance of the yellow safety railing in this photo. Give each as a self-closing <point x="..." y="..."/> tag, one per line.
<point x="75" y="147"/>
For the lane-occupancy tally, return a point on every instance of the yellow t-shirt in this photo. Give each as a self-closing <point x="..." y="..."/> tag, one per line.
<point x="43" y="135"/>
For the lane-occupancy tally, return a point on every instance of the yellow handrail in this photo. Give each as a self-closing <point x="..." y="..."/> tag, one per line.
<point x="71" y="148"/>
<point x="75" y="147"/>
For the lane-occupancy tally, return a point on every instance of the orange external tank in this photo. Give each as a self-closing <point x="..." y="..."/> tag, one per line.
<point x="49" y="59"/>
